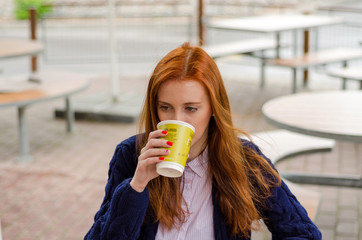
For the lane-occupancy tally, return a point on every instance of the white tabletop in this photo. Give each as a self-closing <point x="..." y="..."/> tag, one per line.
<point x="335" y="114"/>
<point x="275" y="23"/>
<point x="19" y="91"/>
<point x="354" y="73"/>
<point x="10" y="48"/>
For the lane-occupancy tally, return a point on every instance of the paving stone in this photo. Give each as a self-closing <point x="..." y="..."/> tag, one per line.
<point x="347" y="228"/>
<point x="348" y="198"/>
<point x="329" y="207"/>
<point x="314" y="163"/>
<point x="326" y="220"/>
<point x="327" y="233"/>
<point x="349" y="214"/>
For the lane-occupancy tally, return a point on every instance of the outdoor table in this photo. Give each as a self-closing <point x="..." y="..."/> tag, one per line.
<point x="331" y="114"/>
<point x="11" y="48"/>
<point x="19" y="92"/>
<point x="276" y="24"/>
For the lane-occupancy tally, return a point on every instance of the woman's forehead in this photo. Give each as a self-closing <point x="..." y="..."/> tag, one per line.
<point x="176" y="85"/>
<point x="186" y="90"/>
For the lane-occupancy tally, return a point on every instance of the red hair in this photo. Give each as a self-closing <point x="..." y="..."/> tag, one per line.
<point x="239" y="173"/>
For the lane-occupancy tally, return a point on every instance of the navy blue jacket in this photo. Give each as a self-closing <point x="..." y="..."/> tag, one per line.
<point x="123" y="214"/>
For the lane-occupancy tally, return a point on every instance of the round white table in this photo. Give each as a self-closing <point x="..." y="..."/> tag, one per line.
<point x="332" y="114"/>
<point x="18" y="91"/>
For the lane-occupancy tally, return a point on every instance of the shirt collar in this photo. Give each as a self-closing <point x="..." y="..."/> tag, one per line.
<point x="200" y="164"/>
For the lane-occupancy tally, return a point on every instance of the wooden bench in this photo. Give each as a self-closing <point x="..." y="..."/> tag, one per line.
<point x="350" y="73"/>
<point x="239" y="47"/>
<point x="323" y="57"/>
<point x="280" y="144"/>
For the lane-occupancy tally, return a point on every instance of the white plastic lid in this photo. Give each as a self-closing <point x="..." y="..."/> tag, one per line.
<point x="176" y="122"/>
<point x="170" y="169"/>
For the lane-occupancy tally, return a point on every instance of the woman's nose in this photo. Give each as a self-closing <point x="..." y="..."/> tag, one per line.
<point x="179" y="116"/>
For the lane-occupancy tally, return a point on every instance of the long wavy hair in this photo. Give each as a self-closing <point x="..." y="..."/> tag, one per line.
<point x="242" y="177"/>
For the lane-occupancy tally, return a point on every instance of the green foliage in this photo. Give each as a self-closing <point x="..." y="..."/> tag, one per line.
<point x="22" y="8"/>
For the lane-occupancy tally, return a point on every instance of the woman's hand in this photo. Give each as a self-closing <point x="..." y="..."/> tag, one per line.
<point x="150" y="155"/>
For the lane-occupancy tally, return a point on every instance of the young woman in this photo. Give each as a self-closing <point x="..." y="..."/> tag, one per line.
<point x="228" y="184"/>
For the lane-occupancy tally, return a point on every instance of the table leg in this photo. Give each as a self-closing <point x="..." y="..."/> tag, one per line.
<point x="316" y="39"/>
<point x="278" y="44"/>
<point x="295" y="43"/>
<point x="306" y="50"/>
<point x="23" y="136"/>
<point x="262" y="71"/>
<point x="33" y="27"/>
<point x="294" y="84"/>
<point x="344" y="83"/>
<point x="344" y="80"/>
<point x="69" y="114"/>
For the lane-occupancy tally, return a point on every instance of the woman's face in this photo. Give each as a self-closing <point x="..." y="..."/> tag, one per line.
<point x="187" y="101"/>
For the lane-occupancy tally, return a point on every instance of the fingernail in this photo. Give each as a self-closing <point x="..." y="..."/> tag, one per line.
<point x="164" y="132"/>
<point x="169" y="143"/>
<point x="161" y="158"/>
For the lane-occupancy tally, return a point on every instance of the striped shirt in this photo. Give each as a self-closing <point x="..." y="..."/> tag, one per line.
<point x="197" y="195"/>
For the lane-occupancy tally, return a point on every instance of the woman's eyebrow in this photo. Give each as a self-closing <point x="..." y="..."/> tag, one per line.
<point x="162" y="102"/>
<point x="185" y="104"/>
<point x="192" y="103"/>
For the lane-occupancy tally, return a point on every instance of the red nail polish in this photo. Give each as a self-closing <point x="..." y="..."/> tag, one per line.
<point x="164" y="132"/>
<point x="161" y="158"/>
<point x="169" y="143"/>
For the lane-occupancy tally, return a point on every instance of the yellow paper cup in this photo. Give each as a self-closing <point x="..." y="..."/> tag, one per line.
<point x="181" y="134"/>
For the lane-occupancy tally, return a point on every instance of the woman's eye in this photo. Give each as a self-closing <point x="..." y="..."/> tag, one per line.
<point x="164" y="107"/>
<point x="191" y="109"/>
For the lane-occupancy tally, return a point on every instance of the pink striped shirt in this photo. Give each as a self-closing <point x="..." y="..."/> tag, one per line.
<point x="197" y="195"/>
